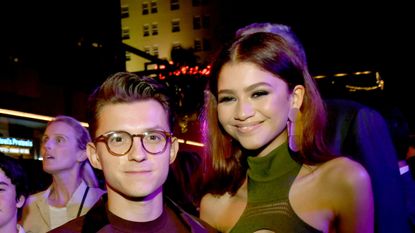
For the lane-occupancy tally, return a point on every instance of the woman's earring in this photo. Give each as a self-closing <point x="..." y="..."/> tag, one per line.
<point x="295" y="129"/>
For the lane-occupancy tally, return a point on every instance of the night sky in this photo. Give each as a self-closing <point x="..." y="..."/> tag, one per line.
<point x="338" y="37"/>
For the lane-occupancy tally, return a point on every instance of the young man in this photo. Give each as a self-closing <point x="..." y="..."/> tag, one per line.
<point x="13" y="194"/>
<point x="131" y="122"/>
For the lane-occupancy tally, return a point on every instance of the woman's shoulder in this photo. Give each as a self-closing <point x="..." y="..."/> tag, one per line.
<point x="214" y="201"/>
<point x="343" y="174"/>
<point x="344" y="167"/>
<point x="36" y="196"/>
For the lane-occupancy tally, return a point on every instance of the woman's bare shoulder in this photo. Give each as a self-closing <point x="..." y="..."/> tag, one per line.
<point x="344" y="169"/>
<point x="346" y="179"/>
<point x="211" y="204"/>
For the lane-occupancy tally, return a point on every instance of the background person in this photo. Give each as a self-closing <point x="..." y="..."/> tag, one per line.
<point x="13" y="193"/>
<point x="74" y="189"/>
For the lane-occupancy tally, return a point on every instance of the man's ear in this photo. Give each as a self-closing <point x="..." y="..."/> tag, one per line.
<point x="297" y="96"/>
<point x="174" y="148"/>
<point x="93" y="156"/>
<point x="20" y="202"/>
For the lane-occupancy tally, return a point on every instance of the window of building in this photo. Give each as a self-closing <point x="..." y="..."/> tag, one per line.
<point x="197" y="24"/>
<point x="207" y="45"/>
<point x="154" y="29"/>
<point x="147" y="49"/>
<point x="206" y="21"/>
<point x="153" y="7"/>
<point x="176" y="45"/>
<point x="175" y="25"/>
<point x="146" y="30"/>
<point x="155" y="50"/>
<point x="125" y="33"/>
<point x="127" y="56"/>
<point x="174" y="5"/>
<point x="125" y="12"/>
<point x="198" y="45"/>
<point x="144" y="7"/>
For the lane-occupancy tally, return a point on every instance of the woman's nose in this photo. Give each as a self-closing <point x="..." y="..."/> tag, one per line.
<point x="244" y="110"/>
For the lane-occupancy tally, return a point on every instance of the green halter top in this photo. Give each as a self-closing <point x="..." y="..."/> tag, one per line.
<point x="269" y="182"/>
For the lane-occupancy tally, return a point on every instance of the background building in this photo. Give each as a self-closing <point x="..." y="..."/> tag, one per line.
<point x="158" y="26"/>
<point x="53" y="54"/>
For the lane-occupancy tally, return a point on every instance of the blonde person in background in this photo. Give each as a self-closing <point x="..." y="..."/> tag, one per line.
<point x="74" y="189"/>
<point x="269" y="168"/>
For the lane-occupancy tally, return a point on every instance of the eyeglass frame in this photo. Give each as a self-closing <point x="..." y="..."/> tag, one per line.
<point x="104" y="138"/>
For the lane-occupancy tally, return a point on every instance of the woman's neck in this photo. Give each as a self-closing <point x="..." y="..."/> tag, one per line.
<point x="62" y="190"/>
<point x="276" y="142"/>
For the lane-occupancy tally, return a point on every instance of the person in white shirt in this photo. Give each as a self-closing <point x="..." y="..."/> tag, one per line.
<point x="74" y="189"/>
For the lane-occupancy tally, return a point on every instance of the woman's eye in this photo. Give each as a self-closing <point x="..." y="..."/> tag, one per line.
<point x="44" y="140"/>
<point x="60" y="139"/>
<point x="226" y="99"/>
<point x="257" y="94"/>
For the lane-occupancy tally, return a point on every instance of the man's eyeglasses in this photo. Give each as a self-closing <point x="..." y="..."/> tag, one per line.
<point x="120" y="142"/>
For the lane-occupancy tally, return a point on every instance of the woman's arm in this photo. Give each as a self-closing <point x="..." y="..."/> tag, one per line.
<point x="353" y="197"/>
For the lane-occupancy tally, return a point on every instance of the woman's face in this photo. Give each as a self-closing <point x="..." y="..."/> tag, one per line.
<point x="253" y="106"/>
<point x="60" y="149"/>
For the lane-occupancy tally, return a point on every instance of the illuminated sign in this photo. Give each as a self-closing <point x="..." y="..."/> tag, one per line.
<point x="16" y="142"/>
<point x="15" y="145"/>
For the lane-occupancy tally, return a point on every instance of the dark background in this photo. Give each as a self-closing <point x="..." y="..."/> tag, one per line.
<point x="76" y="44"/>
<point x="345" y="36"/>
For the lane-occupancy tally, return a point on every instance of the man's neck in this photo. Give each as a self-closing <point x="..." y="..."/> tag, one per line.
<point x="135" y="209"/>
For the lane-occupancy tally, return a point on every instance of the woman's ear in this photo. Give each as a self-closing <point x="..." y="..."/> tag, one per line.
<point x="297" y="96"/>
<point x="295" y="124"/>
<point x="93" y="156"/>
<point x="174" y="149"/>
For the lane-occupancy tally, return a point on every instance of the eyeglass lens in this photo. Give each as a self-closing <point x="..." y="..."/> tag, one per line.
<point x="121" y="142"/>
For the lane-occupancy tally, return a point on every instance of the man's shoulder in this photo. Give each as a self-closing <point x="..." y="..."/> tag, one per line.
<point x="195" y="224"/>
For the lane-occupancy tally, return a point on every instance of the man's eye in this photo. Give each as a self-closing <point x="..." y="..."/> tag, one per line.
<point x="116" y="140"/>
<point x="154" y="138"/>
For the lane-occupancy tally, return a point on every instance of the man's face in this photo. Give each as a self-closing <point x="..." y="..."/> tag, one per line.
<point x="8" y="202"/>
<point x="137" y="174"/>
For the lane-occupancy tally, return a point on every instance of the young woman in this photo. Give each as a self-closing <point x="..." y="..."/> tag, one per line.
<point x="74" y="189"/>
<point x="269" y="169"/>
